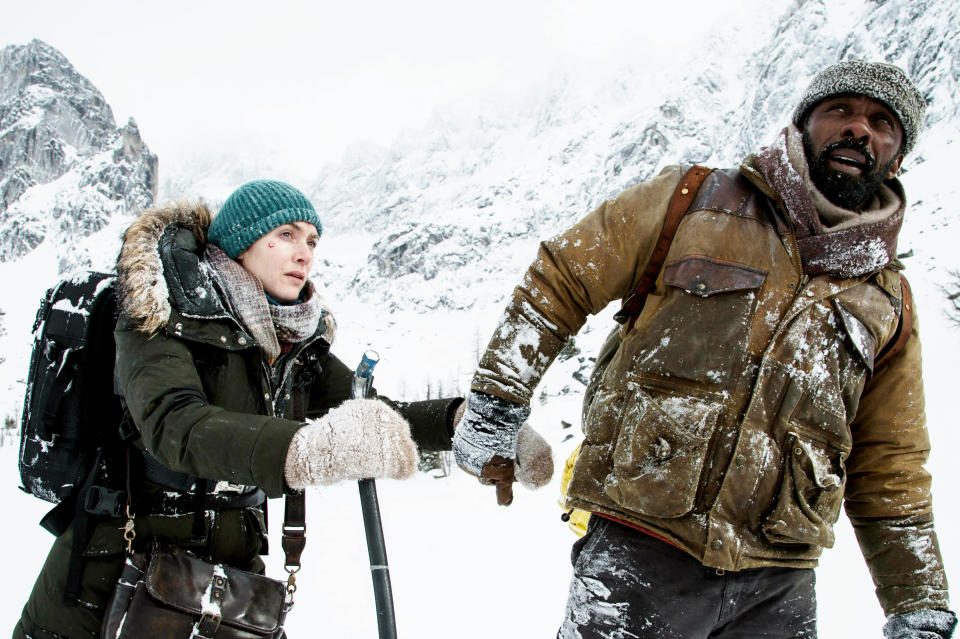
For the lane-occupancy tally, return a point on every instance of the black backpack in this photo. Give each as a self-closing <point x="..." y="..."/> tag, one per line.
<point x="69" y="435"/>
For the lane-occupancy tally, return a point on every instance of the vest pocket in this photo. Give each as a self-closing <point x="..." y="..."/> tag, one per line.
<point x="810" y="494"/>
<point x="701" y="327"/>
<point x="659" y="453"/>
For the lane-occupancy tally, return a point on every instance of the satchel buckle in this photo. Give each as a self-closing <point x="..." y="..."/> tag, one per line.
<point x="207" y="627"/>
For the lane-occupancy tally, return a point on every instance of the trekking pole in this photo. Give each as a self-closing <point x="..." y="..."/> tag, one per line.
<point x="372" y="525"/>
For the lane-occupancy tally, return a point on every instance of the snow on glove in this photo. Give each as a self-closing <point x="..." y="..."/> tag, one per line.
<point x="358" y="439"/>
<point x="920" y="624"/>
<point x="486" y="442"/>
<point x="488" y="428"/>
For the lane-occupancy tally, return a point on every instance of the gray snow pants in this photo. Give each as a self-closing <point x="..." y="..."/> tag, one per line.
<point x="627" y="584"/>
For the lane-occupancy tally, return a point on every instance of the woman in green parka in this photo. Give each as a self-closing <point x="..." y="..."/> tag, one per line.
<point x="222" y="339"/>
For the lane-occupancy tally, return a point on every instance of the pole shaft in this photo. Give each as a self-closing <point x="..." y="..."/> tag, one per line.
<point x="372" y="524"/>
<point x="377" y="551"/>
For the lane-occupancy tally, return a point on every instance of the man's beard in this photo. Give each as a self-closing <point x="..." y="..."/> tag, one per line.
<point x="843" y="189"/>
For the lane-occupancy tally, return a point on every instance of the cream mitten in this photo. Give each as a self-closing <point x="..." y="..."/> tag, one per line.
<point x="358" y="439"/>
<point x="534" y="458"/>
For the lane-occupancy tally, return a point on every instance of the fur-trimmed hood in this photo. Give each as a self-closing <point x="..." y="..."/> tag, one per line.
<point x="143" y="290"/>
<point x="161" y="261"/>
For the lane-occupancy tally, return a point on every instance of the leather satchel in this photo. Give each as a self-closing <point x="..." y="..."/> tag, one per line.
<point x="172" y="593"/>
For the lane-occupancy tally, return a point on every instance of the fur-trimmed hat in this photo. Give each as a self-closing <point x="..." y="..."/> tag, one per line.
<point x="256" y="208"/>
<point x="883" y="82"/>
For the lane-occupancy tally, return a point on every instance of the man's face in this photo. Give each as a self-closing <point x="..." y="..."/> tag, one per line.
<point x="282" y="258"/>
<point x="853" y="143"/>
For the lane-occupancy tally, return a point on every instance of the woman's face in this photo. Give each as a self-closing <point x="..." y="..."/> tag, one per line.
<point x="282" y="258"/>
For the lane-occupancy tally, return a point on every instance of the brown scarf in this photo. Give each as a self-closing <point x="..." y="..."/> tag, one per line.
<point x="832" y="241"/>
<point x="270" y="324"/>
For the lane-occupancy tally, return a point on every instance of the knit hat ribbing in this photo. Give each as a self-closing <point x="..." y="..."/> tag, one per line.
<point x="883" y="82"/>
<point x="255" y="209"/>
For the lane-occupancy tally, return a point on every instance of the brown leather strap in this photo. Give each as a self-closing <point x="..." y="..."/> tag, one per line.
<point x="679" y="204"/>
<point x="904" y="328"/>
<point x="294" y="538"/>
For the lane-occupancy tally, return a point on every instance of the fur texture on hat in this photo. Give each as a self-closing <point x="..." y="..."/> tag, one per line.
<point x="883" y="82"/>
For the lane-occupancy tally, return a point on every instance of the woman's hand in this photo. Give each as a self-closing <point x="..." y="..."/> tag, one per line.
<point x="361" y="438"/>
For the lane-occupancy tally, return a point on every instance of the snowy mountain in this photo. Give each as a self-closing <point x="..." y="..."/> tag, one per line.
<point x="450" y="203"/>
<point x="424" y="239"/>
<point x="65" y="166"/>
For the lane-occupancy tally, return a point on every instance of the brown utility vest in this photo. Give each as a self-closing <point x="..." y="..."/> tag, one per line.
<point x="726" y="417"/>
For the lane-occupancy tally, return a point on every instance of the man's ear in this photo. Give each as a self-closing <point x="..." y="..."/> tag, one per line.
<point x="895" y="167"/>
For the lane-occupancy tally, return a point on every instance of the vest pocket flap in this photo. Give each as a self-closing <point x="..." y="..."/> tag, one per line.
<point x="860" y="337"/>
<point x="240" y="599"/>
<point x="706" y="276"/>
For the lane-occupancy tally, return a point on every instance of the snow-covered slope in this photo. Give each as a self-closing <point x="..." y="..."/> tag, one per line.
<point x="424" y="240"/>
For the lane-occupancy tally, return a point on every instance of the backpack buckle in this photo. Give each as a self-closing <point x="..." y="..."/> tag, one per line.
<point x="41" y="313"/>
<point x="103" y="501"/>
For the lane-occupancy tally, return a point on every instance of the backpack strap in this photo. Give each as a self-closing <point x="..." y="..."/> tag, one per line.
<point x="679" y="204"/>
<point x="83" y="525"/>
<point x="904" y="327"/>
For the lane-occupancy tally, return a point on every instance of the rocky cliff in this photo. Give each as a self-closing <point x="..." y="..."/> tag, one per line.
<point x="66" y="168"/>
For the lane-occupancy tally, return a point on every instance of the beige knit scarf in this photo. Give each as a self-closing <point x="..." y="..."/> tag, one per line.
<point x="832" y="240"/>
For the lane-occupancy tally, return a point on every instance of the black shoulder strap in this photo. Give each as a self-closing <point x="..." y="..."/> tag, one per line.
<point x="679" y="204"/>
<point x="294" y="531"/>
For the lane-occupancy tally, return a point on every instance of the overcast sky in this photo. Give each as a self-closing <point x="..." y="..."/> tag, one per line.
<point x="287" y="75"/>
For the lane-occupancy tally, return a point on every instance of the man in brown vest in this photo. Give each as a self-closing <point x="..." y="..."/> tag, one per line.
<point x="767" y="372"/>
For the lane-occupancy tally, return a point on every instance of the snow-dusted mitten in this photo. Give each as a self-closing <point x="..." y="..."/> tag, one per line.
<point x="488" y="428"/>
<point x="493" y="442"/>
<point x="920" y="624"/>
<point x="534" y="458"/>
<point x="361" y="438"/>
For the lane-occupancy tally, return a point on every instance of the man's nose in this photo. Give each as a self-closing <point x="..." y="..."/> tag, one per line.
<point x="858" y="127"/>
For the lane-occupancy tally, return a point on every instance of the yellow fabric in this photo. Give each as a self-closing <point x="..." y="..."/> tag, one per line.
<point x="578" y="518"/>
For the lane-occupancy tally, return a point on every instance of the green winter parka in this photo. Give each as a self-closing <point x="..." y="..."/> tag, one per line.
<point x="742" y="408"/>
<point x="206" y="404"/>
<point x="202" y="395"/>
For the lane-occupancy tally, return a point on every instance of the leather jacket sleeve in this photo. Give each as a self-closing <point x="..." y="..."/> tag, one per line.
<point x="888" y="496"/>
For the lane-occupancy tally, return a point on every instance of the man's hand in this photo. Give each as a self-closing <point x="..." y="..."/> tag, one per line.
<point x="920" y="624"/>
<point x="493" y="442"/>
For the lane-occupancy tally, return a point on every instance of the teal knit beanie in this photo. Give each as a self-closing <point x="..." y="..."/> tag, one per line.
<point x="256" y="208"/>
